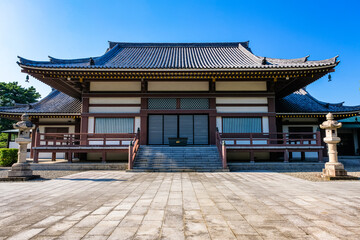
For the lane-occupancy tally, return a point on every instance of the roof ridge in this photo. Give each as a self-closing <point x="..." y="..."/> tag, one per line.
<point x="193" y="44"/>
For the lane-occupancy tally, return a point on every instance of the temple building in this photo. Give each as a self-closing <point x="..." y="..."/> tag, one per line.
<point x="146" y="96"/>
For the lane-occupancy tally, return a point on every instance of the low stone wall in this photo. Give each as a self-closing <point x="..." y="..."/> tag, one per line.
<point x="350" y="162"/>
<point x="278" y="166"/>
<point x="79" y="166"/>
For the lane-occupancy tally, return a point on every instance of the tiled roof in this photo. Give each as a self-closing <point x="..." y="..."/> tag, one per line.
<point x="55" y="103"/>
<point x="233" y="55"/>
<point x="302" y="102"/>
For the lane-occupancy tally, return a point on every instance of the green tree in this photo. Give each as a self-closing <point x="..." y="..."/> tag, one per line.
<point x="12" y="93"/>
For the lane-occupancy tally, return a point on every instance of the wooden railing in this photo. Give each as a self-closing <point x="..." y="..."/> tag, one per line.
<point x="133" y="149"/>
<point x="220" y="144"/>
<point x="272" y="139"/>
<point x="73" y="140"/>
<point x="271" y="142"/>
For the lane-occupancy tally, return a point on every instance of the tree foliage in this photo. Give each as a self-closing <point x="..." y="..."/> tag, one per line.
<point x="12" y="93"/>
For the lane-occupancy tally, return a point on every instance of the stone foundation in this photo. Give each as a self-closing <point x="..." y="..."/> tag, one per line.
<point x="20" y="170"/>
<point x="336" y="171"/>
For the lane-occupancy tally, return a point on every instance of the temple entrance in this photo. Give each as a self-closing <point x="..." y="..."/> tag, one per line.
<point x="193" y="127"/>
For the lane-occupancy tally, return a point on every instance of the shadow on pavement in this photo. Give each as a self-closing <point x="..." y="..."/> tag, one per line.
<point x="93" y="179"/>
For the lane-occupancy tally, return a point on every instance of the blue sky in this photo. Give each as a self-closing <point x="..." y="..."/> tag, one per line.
<point x="35" y="29"/>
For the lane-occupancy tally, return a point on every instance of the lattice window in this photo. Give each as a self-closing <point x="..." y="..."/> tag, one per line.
<point x="162" y="103"/>
<point x="194" y="103"/>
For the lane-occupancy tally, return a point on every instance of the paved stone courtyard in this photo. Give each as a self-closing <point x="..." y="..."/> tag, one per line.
<point x="123" y="205"/>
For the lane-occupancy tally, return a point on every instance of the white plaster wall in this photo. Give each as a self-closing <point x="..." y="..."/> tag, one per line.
<point x="219" y="123"/>
<point x="241" y="109"/>
<point x="241" y="100"/>
<point x="178" y="86"/>
<point x="116" y="86"/>
<point x="91" y="124"/>
<point x="265" y="124"/>
<point x="241" y="86"/>
<point x="114" y="109"/>
<point x="114" y="100"/>
<point x="137" y="123"/>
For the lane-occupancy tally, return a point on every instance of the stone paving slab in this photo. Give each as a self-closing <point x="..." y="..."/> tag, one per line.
<point x="129" y="205"/>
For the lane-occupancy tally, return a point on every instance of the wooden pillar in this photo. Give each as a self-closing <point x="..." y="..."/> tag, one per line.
<point x="103" y="157"/>
<point x="320" y="155"/>
<point x="36" y="157"/>
<point x="36" y="144"/>
<point x="143" y="121"/>
<point x="272" y="118"/>
<point x="286" y="156"/>
<point x="8" y="140"/>
<point x="212" y="121"/>
<point x="32" y="144"/>
<point x="53" y="156"/>
<point x="84" y="120"/>
<point x="77" y="130"/>
<point x="272" y="122"/>
<point x="212" y="129"/>
<point x="70" y="157"/>
<point x="83" y="129"/>
<point x="252" y="158"/>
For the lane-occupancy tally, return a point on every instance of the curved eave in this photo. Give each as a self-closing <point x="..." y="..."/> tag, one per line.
<point x="248" y="68"/>
<point x="40" y="113"/>
<point x="318" y="113"/>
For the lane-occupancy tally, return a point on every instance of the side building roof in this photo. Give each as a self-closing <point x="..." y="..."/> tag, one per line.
<point x="302" y="102"/>
<point x="56" y="103"/>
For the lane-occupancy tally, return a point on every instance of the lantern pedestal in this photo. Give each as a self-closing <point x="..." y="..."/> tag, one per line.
<point x="334" y="170"/>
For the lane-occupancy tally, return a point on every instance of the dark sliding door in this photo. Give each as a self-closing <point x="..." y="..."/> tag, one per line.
<point x="186" y="127"/>
<point x="201" y="132"/>
<point x="170" y="127"/>
<point x="155" y="129"/>
<point x="193" y="127"/>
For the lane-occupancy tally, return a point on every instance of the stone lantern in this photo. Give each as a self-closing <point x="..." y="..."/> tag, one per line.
<point x="21" y="170"/>
<point x="333" y="169"/>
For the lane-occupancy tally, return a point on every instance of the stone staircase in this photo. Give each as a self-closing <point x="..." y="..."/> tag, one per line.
<point x="178" y="159"/>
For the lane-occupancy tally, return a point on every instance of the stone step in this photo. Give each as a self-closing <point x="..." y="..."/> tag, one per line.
<point x="178" y="170"/>
<point x="165" y="158"/>
<point x="176" y="165"/>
